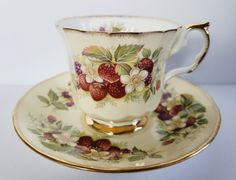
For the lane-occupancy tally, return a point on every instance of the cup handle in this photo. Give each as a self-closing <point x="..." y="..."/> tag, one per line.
<point x="200" y="56"/>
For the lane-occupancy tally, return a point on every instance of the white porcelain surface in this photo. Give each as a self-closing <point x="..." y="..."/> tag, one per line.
<point x="131" y="24"/>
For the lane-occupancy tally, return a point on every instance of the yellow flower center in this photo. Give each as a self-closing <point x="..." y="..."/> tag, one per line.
<point x="178" y="123"/>
<point x="136" y="79"/>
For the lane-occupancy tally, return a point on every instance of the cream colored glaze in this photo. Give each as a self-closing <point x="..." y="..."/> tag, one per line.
<point x="82" y="32"/>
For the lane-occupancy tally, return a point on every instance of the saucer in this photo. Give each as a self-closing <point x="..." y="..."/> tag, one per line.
<point x="185" y="122"/>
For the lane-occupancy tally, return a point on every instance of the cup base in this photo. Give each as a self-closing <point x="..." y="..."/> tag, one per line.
<point x="116" y="128"/>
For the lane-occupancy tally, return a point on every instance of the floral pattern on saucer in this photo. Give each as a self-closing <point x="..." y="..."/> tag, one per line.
<point x="53" y="134"/>
<point x="180" y="117"/>
<point x="62" y="135"/>
<point x="60" y="99"/>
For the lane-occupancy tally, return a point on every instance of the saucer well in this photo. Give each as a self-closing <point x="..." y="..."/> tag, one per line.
<point x="185" y="122"/>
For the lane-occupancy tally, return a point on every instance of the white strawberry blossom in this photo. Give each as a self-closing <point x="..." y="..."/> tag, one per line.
<point x="135" y="80"/>
<point x="176" y="123"/>
<point x="64" y="138"/>
<point x="91" y="72"/>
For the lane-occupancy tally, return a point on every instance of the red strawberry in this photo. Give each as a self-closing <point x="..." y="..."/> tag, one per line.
<point x="190" y="121"/>
<point x="160" y="109"/>
<point x="98" y="91"/>
<point x="176" y="109"/>
<point x="85" y="141"/>
<point x="106" y="83"/>
<point x="163" y="113"/>
<point x="146" y="64"/>
<point x="107" y="72"/>
<point x="102" y="144"/>
<point x="83" y="83"/>
<point x="116" y="90"/>
<point x="114" y="152"/>
<point x="164" y="116"/>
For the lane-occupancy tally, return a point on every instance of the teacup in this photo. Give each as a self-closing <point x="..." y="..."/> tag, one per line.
<point x="118" y="66"/>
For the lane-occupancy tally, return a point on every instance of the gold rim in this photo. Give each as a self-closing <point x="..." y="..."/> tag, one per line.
<point x="59" y="25"/>
<point x="117" y="170"/>
<point x="203" y="27"/>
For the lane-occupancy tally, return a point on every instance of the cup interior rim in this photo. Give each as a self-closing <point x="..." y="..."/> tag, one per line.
<point x="62" y="24"/>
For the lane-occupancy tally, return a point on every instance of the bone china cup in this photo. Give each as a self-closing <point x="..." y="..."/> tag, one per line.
<point x="118" y="66"/>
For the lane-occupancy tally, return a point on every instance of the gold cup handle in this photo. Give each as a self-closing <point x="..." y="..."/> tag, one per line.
<point x="200" y="56"/>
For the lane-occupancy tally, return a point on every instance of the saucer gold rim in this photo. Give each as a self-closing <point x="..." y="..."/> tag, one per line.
<point x="120" y="170"/>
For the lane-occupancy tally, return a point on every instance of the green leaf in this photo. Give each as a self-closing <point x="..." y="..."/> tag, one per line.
<point x="66" y="128"/>
<point x="155" y="155"/>
<point x="35" y="131"/>
<point x="200" y="116"/>
<point x="52" y="96"/>
<point x="98" y="52"/>
<point x="186" y="99"/>
<point x="75" y="133"/>
<point x="194" y="126"/>
<point x="156" y="54"/>
<point x="202" y="121"/>
<point x="165" y="137"/>
<point x="132" y="97"/>
<point x="135" y="158"/>
<point x="146" y="95"/>
<point x="60" y="106"/>
<point x="153" y="90"/>
<point x="127" y="53"/>
<point x="43" y="99"/>
<point x="59" y="124"/>
<point x="122" y="69"/>
<point x="183" y="114"/>
<point x="146" y="53"/>
<point x="196" y="108"/>
<point x="56" y="147"/>
<point x="136" y="151"/>
<point x="162" y="132"/>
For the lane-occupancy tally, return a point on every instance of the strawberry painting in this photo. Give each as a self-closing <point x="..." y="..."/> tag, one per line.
<point x="59" y="137"/>
<point x="98" y="91"/>
<point x="118" y="72"/>
<point x="179" y="117"/>
<point x="107" y="72"/>
<point x="83" y="83"/>
<point x="116" y="89"/>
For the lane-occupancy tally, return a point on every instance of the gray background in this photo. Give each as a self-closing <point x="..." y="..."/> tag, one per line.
<point x="31" y="49"/>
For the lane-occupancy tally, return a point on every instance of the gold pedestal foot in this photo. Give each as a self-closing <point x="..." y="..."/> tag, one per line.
<point x="114" y="129"/>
